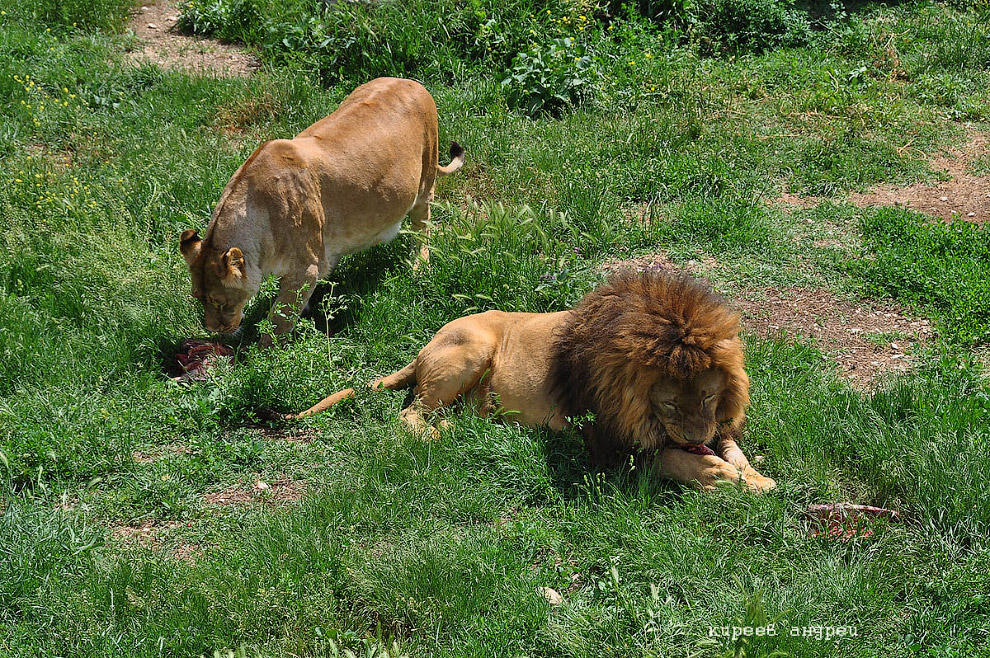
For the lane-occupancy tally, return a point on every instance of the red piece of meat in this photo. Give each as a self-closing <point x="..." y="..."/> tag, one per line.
<point x="195" y="357"/>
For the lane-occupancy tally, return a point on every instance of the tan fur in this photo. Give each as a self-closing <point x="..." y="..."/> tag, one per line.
<point x="295" y="207"/>
<point x="656" y="358"/>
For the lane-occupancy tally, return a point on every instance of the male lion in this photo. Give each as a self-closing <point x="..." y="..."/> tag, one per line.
<point x="649" y="362"/>
<point x="296" y="206"/>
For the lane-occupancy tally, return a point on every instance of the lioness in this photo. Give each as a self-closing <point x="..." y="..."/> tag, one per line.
<point x="654" y="358"/>
<point x="296" y="206"/>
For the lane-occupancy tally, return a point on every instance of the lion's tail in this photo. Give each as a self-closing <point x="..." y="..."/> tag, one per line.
<point x="405" y="378"/>
<point x="320" y="406"/>
<point x="456" y="160"/>
<point x="397" y="381"/>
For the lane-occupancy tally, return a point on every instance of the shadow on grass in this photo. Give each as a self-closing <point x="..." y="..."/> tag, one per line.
<point x="576" y="475"/>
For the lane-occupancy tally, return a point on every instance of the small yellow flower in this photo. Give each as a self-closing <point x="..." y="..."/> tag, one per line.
<point x="632" y="62"/>
<point x="648" y="56"/>
<point x="18" y="180"/>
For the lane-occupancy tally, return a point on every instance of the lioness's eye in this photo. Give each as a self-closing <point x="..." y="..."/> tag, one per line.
<point x="669" y="406"/>
<point x="708" y="400"/>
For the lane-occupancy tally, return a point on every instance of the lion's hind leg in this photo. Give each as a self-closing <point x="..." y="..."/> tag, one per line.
<point x="451" y="365"/>
<point x="398" y="380"/>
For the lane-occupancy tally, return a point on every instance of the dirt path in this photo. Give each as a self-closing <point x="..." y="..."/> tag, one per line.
<point x="963" y="196"/>
<point x="160" y="43"/>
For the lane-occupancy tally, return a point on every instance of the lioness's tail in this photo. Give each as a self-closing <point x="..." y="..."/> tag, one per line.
<point x="456" y="160"/>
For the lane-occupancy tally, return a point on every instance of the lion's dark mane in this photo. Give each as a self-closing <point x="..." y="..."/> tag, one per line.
<point x="626" y="335"/>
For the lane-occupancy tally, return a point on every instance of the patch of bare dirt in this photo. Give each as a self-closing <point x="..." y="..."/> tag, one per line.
<point x="300" y="435"/>
<point x="142" y="457"/>
<point x="963" y="196"/>
<point x="805" y="202"/>
<point x="160" y="43"/>
<point x="153" y="534"/>
<point x="647" y="263"/>
<point x="146" y="532"/>
<point x="187" y="552"/>
<point x="657" y="262"/>
<point x="865" y="341"/>
<point x="276" y="492"/>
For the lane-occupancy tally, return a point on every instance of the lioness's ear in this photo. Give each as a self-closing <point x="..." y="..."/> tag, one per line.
<point x="232" y="264"/>
<point x="189" y="244"/>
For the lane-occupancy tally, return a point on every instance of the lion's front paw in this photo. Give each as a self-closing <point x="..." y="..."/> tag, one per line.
<point x="757" y="483"/>
<point x="715" y="474"/>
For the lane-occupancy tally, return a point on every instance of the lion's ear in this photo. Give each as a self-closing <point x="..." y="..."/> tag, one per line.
<point x="190" y="245"/>
<point x="232" y="264"/>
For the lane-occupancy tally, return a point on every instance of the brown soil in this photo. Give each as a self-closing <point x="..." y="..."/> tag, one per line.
<point x="151" y="533"/>
<point x="145" y="532"/>
<point x="279" y="491"/>
<point x="963" y="196"/>
<point x="159" y="43"/>
<point x="289" y="434"/>
<point x="865" y="340"/>
<point x="142" y="457"/>
<point x="187" y="552"/>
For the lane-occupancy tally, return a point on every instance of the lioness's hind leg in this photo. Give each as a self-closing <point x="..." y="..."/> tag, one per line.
<point x="420" y="216"/>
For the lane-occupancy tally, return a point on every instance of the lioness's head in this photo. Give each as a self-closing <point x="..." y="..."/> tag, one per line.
<point x="689" y="409"/>
<point x="219" y="281"/>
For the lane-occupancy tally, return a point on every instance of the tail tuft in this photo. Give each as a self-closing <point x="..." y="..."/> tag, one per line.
<point x="456" y="160"/>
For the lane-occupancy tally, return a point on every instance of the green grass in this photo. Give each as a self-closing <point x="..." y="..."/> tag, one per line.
<point x="441" y="545"/>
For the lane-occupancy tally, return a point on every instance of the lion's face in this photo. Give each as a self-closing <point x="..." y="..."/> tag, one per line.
<point x="687" y="409"/>
<point x="219" y="282"/>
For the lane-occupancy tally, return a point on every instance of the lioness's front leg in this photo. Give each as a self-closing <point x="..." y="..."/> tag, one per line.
<point x="729" y="450"/>
<point x="293" y="293"/>
<point x="702" y="471"/>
